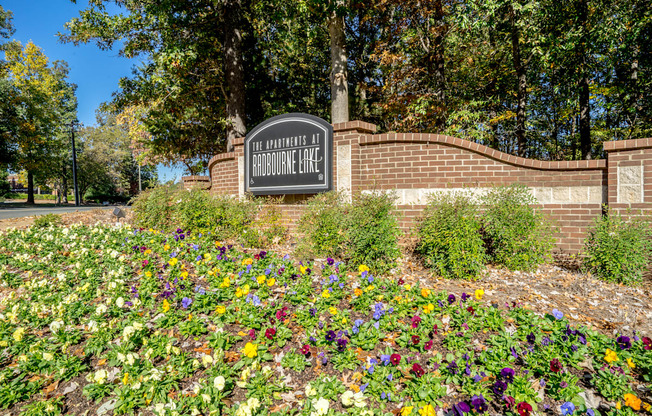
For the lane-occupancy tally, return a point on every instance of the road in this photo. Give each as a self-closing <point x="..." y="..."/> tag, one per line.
<point x="7" y="211"/>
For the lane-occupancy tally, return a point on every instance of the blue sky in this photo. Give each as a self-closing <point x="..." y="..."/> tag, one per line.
<point x="95" y="72"/>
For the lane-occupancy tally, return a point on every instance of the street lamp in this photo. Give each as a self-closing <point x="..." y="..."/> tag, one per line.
<point x="74" y="160"/>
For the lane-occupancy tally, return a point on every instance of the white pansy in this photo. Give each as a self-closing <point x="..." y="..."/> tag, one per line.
<point x="206" y="360"/>
<point x="138" y="326"/>
<point x="56" y="325"/>
<point x="47" y="356"/>
<point x="347" y="398"/>
<point x="128" y="332"/>
<point x="310" y="391"/>
<point x="120" y="302"/>
<point x="121" y="357"/>
<point x="92" y="326"/>
<point x="359" y="399"/>
<point x="100" y="376"/>
<point x="219" y="383"/>
<point x="320" y="405"/>
<point x="206" y="398"/>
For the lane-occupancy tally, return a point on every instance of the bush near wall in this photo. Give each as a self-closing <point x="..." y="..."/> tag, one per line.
<point x="517" y="235"/>
<point x="322" y="227"/>
<point x="364" y="232"/>
<point x="249" y="222"/>
<point x="449" y="236"/>
<point x="617" y="249"/>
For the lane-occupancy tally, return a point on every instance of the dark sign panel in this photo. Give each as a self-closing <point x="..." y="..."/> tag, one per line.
<point x="289" y="154"/>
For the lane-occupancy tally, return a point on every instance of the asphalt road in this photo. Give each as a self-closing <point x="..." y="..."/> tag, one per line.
<point x="7" y="211"/>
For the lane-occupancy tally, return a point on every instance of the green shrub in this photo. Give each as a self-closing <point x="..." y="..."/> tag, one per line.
<point x="449" y="236"/>
<point x="321" y="226"/>
<point x="517" y="235"/>
<point x="618" y="250"/>
<point x="372" y="232"/>
<point x="249" y="221"/>
<point x="47" y="220"/>
<point x="267" y="227"/>
<point x="154" y="208"/>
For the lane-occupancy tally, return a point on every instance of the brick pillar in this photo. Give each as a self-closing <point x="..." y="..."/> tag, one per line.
<point x="629" y="167"/>
<point x="346" y="155"/>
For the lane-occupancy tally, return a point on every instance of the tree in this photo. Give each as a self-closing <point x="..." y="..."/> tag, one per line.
<point x="192" y="80"/>
<point x="8" y="114"/>
<point x="42" y="96"/>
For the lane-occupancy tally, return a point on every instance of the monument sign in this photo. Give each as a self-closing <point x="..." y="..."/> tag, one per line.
<point x="289" y="154"/>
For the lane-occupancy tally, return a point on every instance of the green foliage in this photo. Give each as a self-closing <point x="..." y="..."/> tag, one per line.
<point x="267" y="228"/>
<point x="321" y="226"/>
<point x="372" y="231"/>
<point x="517" y="234"/>
<point x="153" y="208"/>
<point x="449" y="236"/>
<point x="252" y="222"/>
<point x="47" y="220"/>
<point x="618" y="250"/>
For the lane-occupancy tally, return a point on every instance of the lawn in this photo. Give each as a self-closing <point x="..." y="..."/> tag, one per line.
<point x="105" y="320"/>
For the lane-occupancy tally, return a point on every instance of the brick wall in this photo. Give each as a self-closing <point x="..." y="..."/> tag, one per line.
<point x="196" y="182"/>
<point x="415" y="165"/>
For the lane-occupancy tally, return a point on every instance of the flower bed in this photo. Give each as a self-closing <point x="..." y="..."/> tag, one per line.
<point x="99" y="318"/>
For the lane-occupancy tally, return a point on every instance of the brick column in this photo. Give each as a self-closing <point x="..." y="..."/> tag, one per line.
<point x="346" y="155"/>
<point x="629" y="166"/>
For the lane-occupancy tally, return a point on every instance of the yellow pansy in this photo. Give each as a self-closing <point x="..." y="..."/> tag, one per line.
<point x="357" y="291"/>
<point x="166" y="305"/>
<point x="344" y="321"/>
<point x="261" y="279"/>
<point x="332" y="310"/>
<point x="407" y="410"/>
<point x="425" y="292"/>
<point x="245" y="290"/>
<point x="221" y="309"/>
<point x="407" y="286"/>
<point x="238" y="293"/>
<point x="362" y="268"/>
<point x="429" y="308"/>
<point x="630" y="363"/>
<point x="610" y="356"/>
<point x="427" y="410"/>
<point x="173" y="261"/>
<point x="208" y="257"/>
<point x="125" y="378"/>
<point x="184" y="274"/>
<point x="632" y="401"/>
<point x="270" y="282"/>
<point x="148" y="274"/>
<point x="147" y="252"/>
<point x="325" y="294"/>
<point x="166" y="247"/>
<point x="303" y="269"/>
<point x="248" y="261"/>
<point x="18" y="334"/>
<point x="479" y="293"/>
<point x="225" y="283"/>
<point x="250" y="350"/>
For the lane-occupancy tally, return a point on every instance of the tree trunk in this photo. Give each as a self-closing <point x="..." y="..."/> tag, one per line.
<point x="234" y="72"/>
<point x="585" y="111"/>
<point x="439" y="73"/>
<point x="64" y="188"/>
<point x="521" y="98"/>
<point x="30" y="188"/>
<point x="339" y="81"/>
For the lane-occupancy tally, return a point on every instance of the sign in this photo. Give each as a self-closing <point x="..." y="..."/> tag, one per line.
<point x="289" y="154"/>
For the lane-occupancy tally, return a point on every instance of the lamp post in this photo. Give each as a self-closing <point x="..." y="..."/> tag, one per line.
<point x="74" y="161"/>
